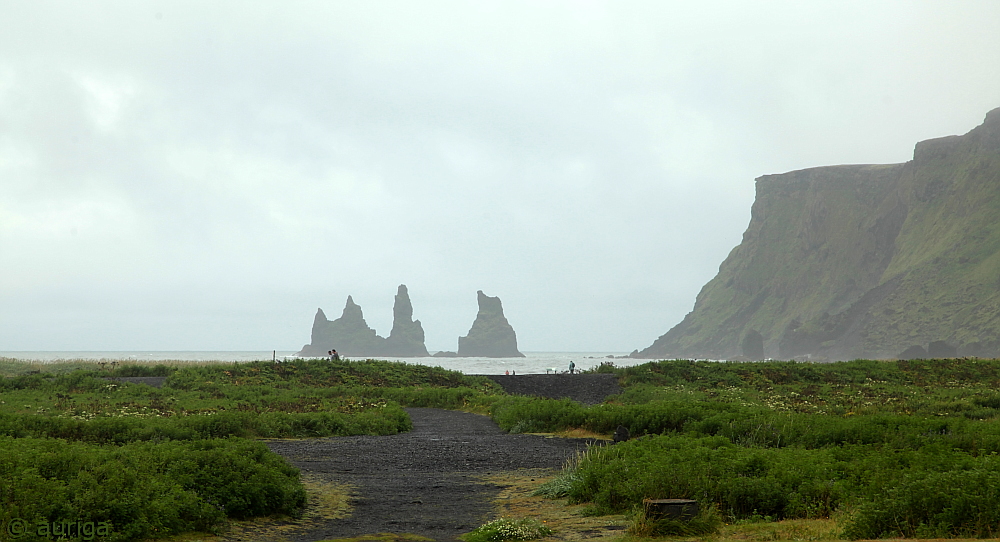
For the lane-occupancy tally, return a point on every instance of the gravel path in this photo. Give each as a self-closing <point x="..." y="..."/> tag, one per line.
<point x="425" y="482"/>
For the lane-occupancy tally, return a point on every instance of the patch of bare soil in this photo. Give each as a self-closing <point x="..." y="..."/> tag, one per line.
<point x="433" y="481"/>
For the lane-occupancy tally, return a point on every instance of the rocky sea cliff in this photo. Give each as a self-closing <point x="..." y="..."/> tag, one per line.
<point x="861" y="261"/>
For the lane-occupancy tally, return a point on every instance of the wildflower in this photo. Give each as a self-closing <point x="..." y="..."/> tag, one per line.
<point x="503" y="529"/>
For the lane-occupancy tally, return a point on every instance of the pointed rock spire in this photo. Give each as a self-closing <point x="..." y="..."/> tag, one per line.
<point x="406" y="339"/>
<point x="350" y="335"/>
<point x="319" y="322"/>
<point x="491" y="335"/>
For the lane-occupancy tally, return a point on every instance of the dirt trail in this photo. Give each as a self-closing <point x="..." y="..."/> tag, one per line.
<point x="426" y="482"/>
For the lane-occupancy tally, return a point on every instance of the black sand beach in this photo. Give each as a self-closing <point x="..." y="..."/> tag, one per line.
<point x="425" y="482"/>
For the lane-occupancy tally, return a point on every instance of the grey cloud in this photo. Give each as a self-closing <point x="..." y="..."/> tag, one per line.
<point x="191" y="175"/>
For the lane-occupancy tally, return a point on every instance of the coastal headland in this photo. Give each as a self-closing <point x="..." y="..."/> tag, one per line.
<point x="861" y="261"/>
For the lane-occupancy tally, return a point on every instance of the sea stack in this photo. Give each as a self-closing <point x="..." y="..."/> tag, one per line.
<point x="349" y="335"/>
<point x="491" y="336"/>
<point x="406" y="340"/>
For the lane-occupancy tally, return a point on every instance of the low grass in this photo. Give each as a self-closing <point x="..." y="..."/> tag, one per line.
<point x="517" y="499"/>
<point x="16" y="367"/>
<point x="305" y="398"/>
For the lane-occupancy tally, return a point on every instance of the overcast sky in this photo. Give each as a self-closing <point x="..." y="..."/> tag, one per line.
<point x="204" y="175"/>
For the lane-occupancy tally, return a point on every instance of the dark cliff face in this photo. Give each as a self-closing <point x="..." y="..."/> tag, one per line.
<point x="846" y="262"/>
<point x="491" y="335"/>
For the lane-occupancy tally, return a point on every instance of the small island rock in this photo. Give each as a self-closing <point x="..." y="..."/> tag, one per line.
<point x="491" y="336"/>
<point x="406" y="340"/>
<point x="350" y="335"/>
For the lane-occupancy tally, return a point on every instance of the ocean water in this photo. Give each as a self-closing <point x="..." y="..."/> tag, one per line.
<point x="532" y="363"/>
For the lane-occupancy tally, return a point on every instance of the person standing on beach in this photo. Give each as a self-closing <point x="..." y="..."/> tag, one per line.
<point x="334" y="356"/>
<point x="571" y="367"/>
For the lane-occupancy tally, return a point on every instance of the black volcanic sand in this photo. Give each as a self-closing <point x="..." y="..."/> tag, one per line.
<point x="589" y="389"/>
<point x="426" y="482"/>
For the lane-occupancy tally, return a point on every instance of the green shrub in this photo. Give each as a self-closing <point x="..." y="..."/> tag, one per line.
<point x="955" y="504"/>
<point x="518" y="414"/>
<point x="742" y="481"/>
<point x="145" y="489"/>
<point x="558" y="487"/>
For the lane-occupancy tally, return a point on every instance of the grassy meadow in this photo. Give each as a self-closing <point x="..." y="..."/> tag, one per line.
<point x="78" y="447"/>
<point x="889" y="449"/>
<point x="874" y="449"/>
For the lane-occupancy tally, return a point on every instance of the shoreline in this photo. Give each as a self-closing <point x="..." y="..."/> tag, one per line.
<point x="532" y="363"/>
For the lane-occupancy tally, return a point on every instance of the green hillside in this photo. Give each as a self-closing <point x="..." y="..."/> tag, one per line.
<point x="863" y="261"/>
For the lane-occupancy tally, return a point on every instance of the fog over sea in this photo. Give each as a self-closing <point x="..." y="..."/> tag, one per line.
<point x="532" y="363"/>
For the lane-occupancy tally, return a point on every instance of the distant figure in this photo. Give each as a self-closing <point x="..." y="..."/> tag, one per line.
<point x="621" y="434"/>
<point x="334" y="356"/>
<point x="506" y="373"/>
<point x="513" y="373"/>
<point x="572" y="366"/>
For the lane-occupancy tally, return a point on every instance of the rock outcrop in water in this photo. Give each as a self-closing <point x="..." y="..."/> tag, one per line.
<point x="406" y="340"/>
<point x="350" y="335"/>
<point x="491" y="336"/>
<point x="863" y="261"/>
